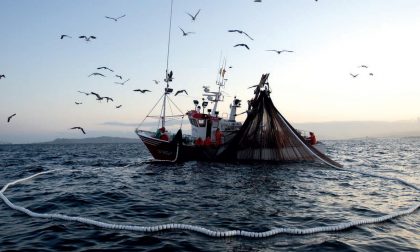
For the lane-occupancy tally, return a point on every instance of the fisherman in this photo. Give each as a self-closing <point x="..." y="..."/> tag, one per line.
<point x="159" y="132"/>
<point x="311" y="138"/>
<point x="207" y="142"/>
<point x="198" y="141"/>
<point x="218" y="135"/>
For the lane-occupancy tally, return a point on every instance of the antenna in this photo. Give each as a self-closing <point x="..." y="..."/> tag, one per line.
<point x="167" y="66"/>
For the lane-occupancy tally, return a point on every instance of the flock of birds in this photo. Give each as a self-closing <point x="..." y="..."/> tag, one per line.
<point x="169" y="76"/>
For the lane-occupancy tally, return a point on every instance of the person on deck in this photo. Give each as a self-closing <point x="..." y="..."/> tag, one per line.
<point x="159" y="132"/>
<point x="218" y="135"/>
<point x="312" y="138"/>
<point x="198" y="141"/>
<point x="207" y="142"/>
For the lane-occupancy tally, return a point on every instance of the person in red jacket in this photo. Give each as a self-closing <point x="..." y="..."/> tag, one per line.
<point x="218" y="135"/>
<point x="311" y="138"/>
<point x="198" y="141"/>
<point x="207" y="142"/>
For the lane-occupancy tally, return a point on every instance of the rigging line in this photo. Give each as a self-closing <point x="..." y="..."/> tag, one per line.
<point x="149" y="112"/>
<point x="208" y="232"/>
<point x="170" y="107"/>
<point x="180" y="111"/>
<point x="162" y="113"/>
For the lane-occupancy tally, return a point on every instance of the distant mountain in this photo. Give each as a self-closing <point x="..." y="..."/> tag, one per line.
<point x="4" y="143"/>
<point x="93" y="140"/>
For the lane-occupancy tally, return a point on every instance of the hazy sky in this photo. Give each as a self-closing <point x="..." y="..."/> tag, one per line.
<point x="330" y="39"/>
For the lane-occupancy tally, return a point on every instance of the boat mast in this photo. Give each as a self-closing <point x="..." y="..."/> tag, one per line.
<point x="167" y="79"/>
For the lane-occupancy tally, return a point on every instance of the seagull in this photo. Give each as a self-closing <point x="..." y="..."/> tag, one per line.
<point x="78" y="103"/>
<point x="185" y="33"/>
<point x="80" y="128"/>
<point x="108" y="99"/>
<point x="87" y="38"/>
<point x="195" y="16"/>
<point x="122" y="83"/>
<point x="169" y="77"/>
<point x="115" y="19"/>
<point x="364" y="66"/>
<point x="156" y="82"/>
<point x="180" y="91"/>
<point x="142" y="90"/>
<point x="245" y="45"/>
<point x="10" y="117"/>
<point x="119" y="106"/>
<point x="64" y="35"/>
<point x="241" y="32"/>
<point x="2" y="76"/>
<point x="230" y="67"/>
<point x="98" y="97"/>
<point x="278" y="52"/>
<point x="99" y="68"/>
<point x="371" y="74"/>
<point x="118" y="76"/>
<point x="354" y="75"/>
<point x="83" y="93"/>
<point x="259" y="1"/>
<point x="96" y="74"/>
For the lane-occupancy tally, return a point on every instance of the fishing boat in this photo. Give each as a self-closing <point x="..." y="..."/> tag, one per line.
<point x="265" y="135"/>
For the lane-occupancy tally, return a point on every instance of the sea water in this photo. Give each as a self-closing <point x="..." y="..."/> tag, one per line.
<point x="117" y="183"/>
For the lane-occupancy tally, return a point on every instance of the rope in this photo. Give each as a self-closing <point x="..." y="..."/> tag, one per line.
<point x="212" y="233"/>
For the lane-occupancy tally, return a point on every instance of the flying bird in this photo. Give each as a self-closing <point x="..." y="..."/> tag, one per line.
<point x="180" y="91"/>
<point x="279" y="51"/>
<point x="78" y="103"/>
<point x="96" y="74"/>
<point x="99" y="68"/>
<point x="108" y="99"/>
<point x="156" y="82"/>
<point x="115" y="19"/>
<point x="244" y="45"/>
<point x="371" y="74"/>
<point x="195" y="16"/>
<point x="122" y="83"/>
<point x="364" y="66"/>
<point x="259" y="1"/>
<point x="64" y="35"/>
<point x="2" y="76"/>
<point x="118" y="76"/>
<point x="241" y="32"/>
<point x="10" y="117"/>
<point x="98" y="97"/>
<point x="185" y="33"/>
<point x="142" y="90"/>
<point x="354" y="75"/>
<point x="169" y="77"/>
<point x="83" y="93"/>
<point x="87" y="39"/>
<point x="79" y="128"/>
<point x="119" y="106"/>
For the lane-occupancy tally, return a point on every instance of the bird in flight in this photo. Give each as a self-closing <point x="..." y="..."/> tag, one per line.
<point x="98" y="97"/>
<point x="244" y="45"/>
<point x="10" y="117"/>
<point x="2" y="76"/>
<point x="83" y="93"/>
<point x="195" y="16"/>
<point x="142" y="90"/>
<point x="115" y="19"/>
<point x="79" y="128"/>
<point x="185" y="33"/>
<point x="181" y="91"/>
<point x="259" y="1"/>
<point x="108" y="99"/>
<point x="64" y="35"/>
<point x="99" y="68"/>
<point x="371" y="74"/>
<point x="78" y="103"/>
<point x="122" y="83"/>
<point x="279" y="51"/>
<point x="169" y="76"/>
<point x="241" y="32"/>
<point x="96" y="74"/>
<point x="119" y="106"/>
<point x="156" y="82"/>
<point x="87" y="39"/>
<point x="364" y="66"/>
<point x="118" y="76"/>
<point x="354" y="75"/>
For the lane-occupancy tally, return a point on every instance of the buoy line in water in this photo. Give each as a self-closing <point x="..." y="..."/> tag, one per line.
<point x="208" y="232"/>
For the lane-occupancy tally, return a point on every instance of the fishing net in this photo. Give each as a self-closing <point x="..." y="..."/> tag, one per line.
<point x="267" y="135"/>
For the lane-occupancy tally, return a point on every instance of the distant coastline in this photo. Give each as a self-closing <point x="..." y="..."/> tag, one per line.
<point x="92" y="140"/>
